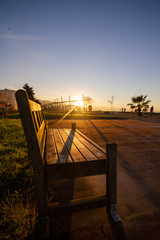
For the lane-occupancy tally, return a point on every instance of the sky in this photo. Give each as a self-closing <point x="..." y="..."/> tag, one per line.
<point x="99" y="48"/>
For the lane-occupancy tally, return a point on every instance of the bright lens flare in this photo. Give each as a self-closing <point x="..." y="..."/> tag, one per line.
<point x="79" y="103"/>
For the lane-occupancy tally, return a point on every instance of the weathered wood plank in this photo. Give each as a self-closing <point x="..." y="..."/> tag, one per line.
<point x="34" y="106"/>
<point x="76" y="205"/>
<point x="40" y="136"/>
<point x="63" y="154"/>
<point x="43" y="145"/>
<point x="68" y="141"/>
<point x="88" y="150"/>
<point x="80" y="146"/>
<point x="91" y="142"/>
<point x="78" y="169"/>
<point x="51" y="153"/>
<point x="34" y="121"/>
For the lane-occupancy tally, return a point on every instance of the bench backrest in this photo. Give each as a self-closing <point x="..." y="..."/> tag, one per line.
<point x="32" y="120"/>
<point x="35" y="131"/>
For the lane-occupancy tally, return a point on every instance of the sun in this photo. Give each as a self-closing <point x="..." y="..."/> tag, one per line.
<point x="78" y="101"/>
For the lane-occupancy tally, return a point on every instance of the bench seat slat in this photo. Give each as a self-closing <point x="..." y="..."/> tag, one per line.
<point x="90" y="151"/>
<point x="51" y="153"/>
<point x="76" y="169"/>
<point x="66" y="145"/>
<point x="63" y="155"/>
<point x="80" y="146"/>
<point x="91" y="142"/>
<point x="68" y="140"/>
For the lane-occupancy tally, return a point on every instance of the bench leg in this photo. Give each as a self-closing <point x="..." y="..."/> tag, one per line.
<point x="111" y="179"/>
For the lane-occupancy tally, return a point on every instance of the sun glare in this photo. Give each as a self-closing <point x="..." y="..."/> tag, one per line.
<point x="78" y="101"/>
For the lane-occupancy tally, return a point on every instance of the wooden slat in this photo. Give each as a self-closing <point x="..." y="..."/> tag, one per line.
<point x="34" y="106"/>
<point x="88" y="150"/>
<point x="76" y="205"/>
<point x="43" y="145"/>
<point x="38" y="118"/>
<point x="76" y="169"/>
<point x="51" y="153"/>
<point x="80" y="149"/>
<point x="62" y="152"/>
<point x="34" y="121"/>
<point x="91" y="142"/>
<point x="40" y="132"/>
<point x="68" y="140"/>
<point x="41" y="115"/>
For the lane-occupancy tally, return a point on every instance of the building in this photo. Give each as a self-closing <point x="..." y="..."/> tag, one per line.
<point x="7" y="97"/>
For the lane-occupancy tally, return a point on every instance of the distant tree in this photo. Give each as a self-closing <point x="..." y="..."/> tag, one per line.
<point x="29" y="91"/>
<point x="139" y="104"/>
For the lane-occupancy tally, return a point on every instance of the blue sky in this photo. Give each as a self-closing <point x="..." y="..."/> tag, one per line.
<point x="71" y="47"/>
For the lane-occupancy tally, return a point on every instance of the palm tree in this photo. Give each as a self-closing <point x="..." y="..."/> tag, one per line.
<point x="139" y="104"/>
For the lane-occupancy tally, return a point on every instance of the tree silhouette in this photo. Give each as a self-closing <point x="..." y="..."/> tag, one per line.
<point x="139" y="104"/>
<point x="29" y="91"/>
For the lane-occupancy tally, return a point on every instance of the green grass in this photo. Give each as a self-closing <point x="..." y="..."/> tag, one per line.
<point x="75" y="116"/>
<point x="16" y="182"/>
<point x="10" y="116"/>
<point x="79" y="116"/>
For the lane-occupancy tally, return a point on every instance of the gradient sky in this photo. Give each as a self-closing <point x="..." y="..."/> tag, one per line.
<point x="100" y="48"/>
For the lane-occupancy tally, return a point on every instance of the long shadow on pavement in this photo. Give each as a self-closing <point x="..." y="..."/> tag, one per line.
<point x="117" y="228"/>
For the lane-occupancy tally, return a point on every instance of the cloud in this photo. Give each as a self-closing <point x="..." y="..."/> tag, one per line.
<point x="1" y="13"/>
<point x="21" y="37"/>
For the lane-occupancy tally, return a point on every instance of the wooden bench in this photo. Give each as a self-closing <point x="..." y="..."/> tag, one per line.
<point x="65" y="153"/>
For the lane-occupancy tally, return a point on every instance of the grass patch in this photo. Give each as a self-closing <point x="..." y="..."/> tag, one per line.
<point x="16" y="182"/>
<point x="79" y="116"/>
<point x="10" y="116"/>
<point x="75" y="116"/>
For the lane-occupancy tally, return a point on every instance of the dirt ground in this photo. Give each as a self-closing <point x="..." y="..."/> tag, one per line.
<point x="138" y="183"/>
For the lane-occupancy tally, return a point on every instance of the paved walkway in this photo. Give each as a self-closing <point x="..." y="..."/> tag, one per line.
<point x="138" y="183"/>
